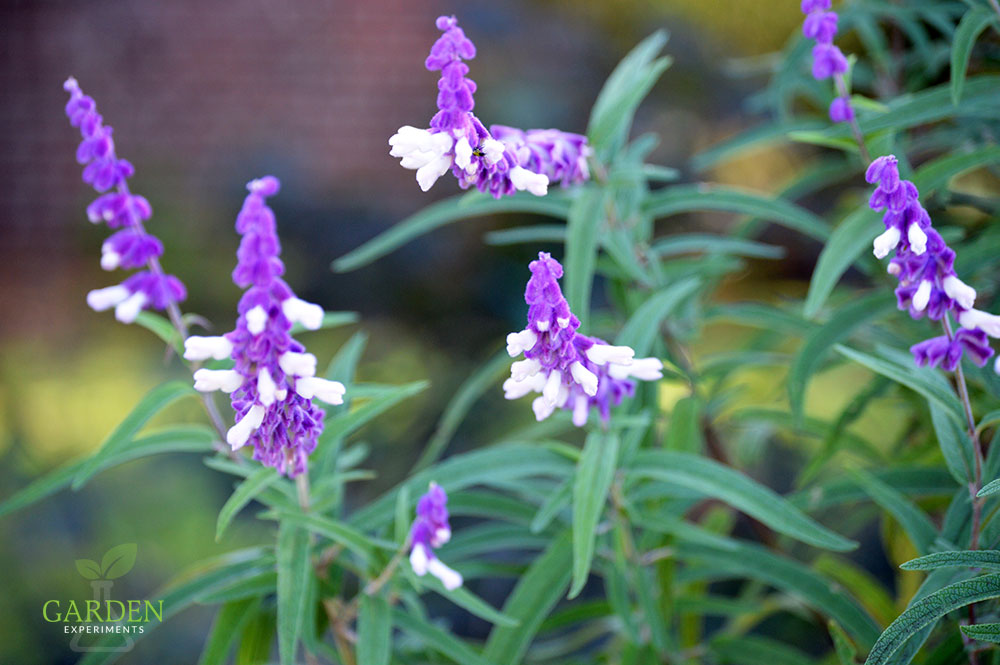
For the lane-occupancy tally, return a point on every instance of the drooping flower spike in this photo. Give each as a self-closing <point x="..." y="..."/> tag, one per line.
<point x="571" y="370"/>
<point x="130" y="247"/>
<point x="273" y="381"/>
<point x="431" y="530"/>
<point x="501" y="160"/>
<point x="828" y="61"/>
<point x="925" y="266"/>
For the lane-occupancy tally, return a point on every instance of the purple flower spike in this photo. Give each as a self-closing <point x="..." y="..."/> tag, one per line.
<point x="274" y="380"/>
<point x="924" y="265"/>
<point x="820" y="26"/>
<point x="430" y="530"/>
<point x="131" y="247"/>
<point x="570" y="370"/>
<point x="458" y="141"/>
<point x="840" y="110"/>
<point x="815" y="6"/>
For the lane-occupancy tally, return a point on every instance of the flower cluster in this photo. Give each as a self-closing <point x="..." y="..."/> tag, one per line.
<point x="924" y="265"/>
<point x="129" y="247"/>
<point x="501" y="160"/>
<point x="273" y="380"/>
<point x="821" y="26"/>
<point x="569" y="369"/>
<point x="430" y="530"/>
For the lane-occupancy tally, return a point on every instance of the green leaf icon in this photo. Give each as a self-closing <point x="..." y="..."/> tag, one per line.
<point x="89" y="569"/>
<point x="118" y="561"/>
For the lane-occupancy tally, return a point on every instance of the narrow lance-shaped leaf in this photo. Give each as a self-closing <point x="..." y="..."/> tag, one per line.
<point x="960" y="558"/>
<point x="293" y="580"/>
<point x="245" y="492"/>
<point x="643" y="326"/>
<point x="915" y="522"/>
<point x="929" y="610"/>
<point x="969" y="28"/>
<point x="984" y="632"/>
<point x="374" y="631"/>
<point x="582" y="240"/>
<point x="229" y="623"/>
<point x="848" y="241"/>
<point x="739" y="491"/>
<point x="594" y="474"/>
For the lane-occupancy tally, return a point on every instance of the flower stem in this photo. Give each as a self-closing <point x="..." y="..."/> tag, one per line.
<point x="841" y="82"/>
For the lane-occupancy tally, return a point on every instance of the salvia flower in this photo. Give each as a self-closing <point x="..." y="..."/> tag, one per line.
<point x="430" y="530"/>
<point x="130" y="247"/>
<point x="458" y="141"/>
<point x="568" y="369"/>
<point x="828" y="60"/>
<point x="273" y="381"/>
<point x="925" y="266"/>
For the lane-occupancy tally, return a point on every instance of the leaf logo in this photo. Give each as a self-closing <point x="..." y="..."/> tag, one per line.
<point x="116" y="562"/>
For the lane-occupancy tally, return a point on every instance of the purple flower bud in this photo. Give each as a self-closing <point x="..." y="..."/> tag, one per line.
<point x="840" y="110"/>
<point x="809" y="6"/>
<point x="273" y="381"/>
<point x="827" y="61"/>
<point x="431" y="530"/>
<point x="821" y="26"/>
<point x="570" y="370"/>
<point x="131" y="247"/>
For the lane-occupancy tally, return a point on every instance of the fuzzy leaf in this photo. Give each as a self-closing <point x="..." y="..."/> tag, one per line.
<point x="374" y="631"/>
<point x="245" y="492"/>
<point x="969" y="28"/>
<point x="594" y="474"/>
<point x="848" y="241"/>
<point x="989" y="559"/>
<point x="293" y="580"/>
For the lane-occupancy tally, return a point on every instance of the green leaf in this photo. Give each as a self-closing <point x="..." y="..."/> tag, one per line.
<point x="633" y="78"/>
<point x="842" y="323"/>
<point x="984" y="632"/>
<point x="439" y="640"/>
<point x="471" y="390"/>
<point x="989" y="559"/>
<point x="534" y="234"/>
<point x="936" y="173"/>
<point x="703" y="196"/>
<point x="554" y="503"/>
<point x="847" y="242"/>
<point x="245" y="492"/>
<point x="162" y="328"/>
<point x="594" y="474"/>
<point x="229" y="622"/>
<point x="991" y="487"/>
<point x="374" y="631"/>
<point x="969" y="28"/>
<point x="703" y="243"/>
<point x="824" y="139"/>
<point x="183" y="438"/>
<point x="734" y="488"/>
<point x="335" y="530"/>
<point x="118" y="561"/>
<point x="536" y="593"/>
<point x="471" y="602"/>
<point x="643" y="326"/>
<point x="955" y="444"/>
<point x="88" y="568"/>
<point x="915" y="522"/>
<point x="756" y="650"/>
<point x="921" y="380"/>
<point x="293" y="583"/>
<point x="685" y="431"/>
<point x="155" y="401"/>
<point x="847" y="653"/>
<point x="754" y="138"/>
<point x="347" y="422"/>
<point x="741" y="559"/>
<point x="449" y="210"/>
<point x="926" y="612"/>
<point x="585" y="218"/>
<point x="256" y="639"/>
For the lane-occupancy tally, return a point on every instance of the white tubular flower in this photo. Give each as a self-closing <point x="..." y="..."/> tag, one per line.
<point x="601" y="354"/>
<point x="239" y="434"/>
<point x="922" y="296"/>
<point x="306" y="313"/>
<point x="886" y="242"/>
<point x="492" y="151"/>
<point x="514" y="389"/>
<point x="519" y="342"/>
<point x="110" y="259"/>
<point x="441" y="536"/>
<point x="917" y="238"/>
<point x="523" y="179"/>
<point x="975" y="318"/>
<point x="331" y="392"/>
<point x="419" y="560"/>
<point x="426" y="152"/>
<point x="550" y="392"/>
<point x="266" y="388"/>
<point x="127" y="310"/>
<point x="202" y="348"/>
<point x="102" y="299"/>
<point x="463" y="153"/>
<point x="522" y="369"/>
<point x="583" y="376"/>
<point x="297" y="364"/>
<point x="644" y="369"/>
<point x="256" y="320"/>
<point x="581" y="410"/>
<point x="543" y="408"/>
<point x="210" y="380"/>
<point x="959" y="291"/>
<point x="451" y="579"/>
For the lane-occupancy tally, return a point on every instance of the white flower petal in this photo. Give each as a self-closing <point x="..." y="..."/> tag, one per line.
<point x="209" y="380"/>
<point x="306" y="313"/>
<point x="959" y="291"/>
<point x="297" y="364"/>
<point x="451" y="579"/>
<point x="203" y="348"/>
<point x="102" y="299"/>
<point x="239" y="433"/>
<point x="331" y="392"/>
<point x="886" y="242"/>
<point x="583" y="376"/>
<point x="256" y="320"/>
<point x="917" y="239"/>
<point x="419" y="559"/>
<point x="523" y="179"/>
<point x="519" y="342"/>
<point x="127" y="310"/>
<point x="600" y="354"/>
<point x="266" y="388"/>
